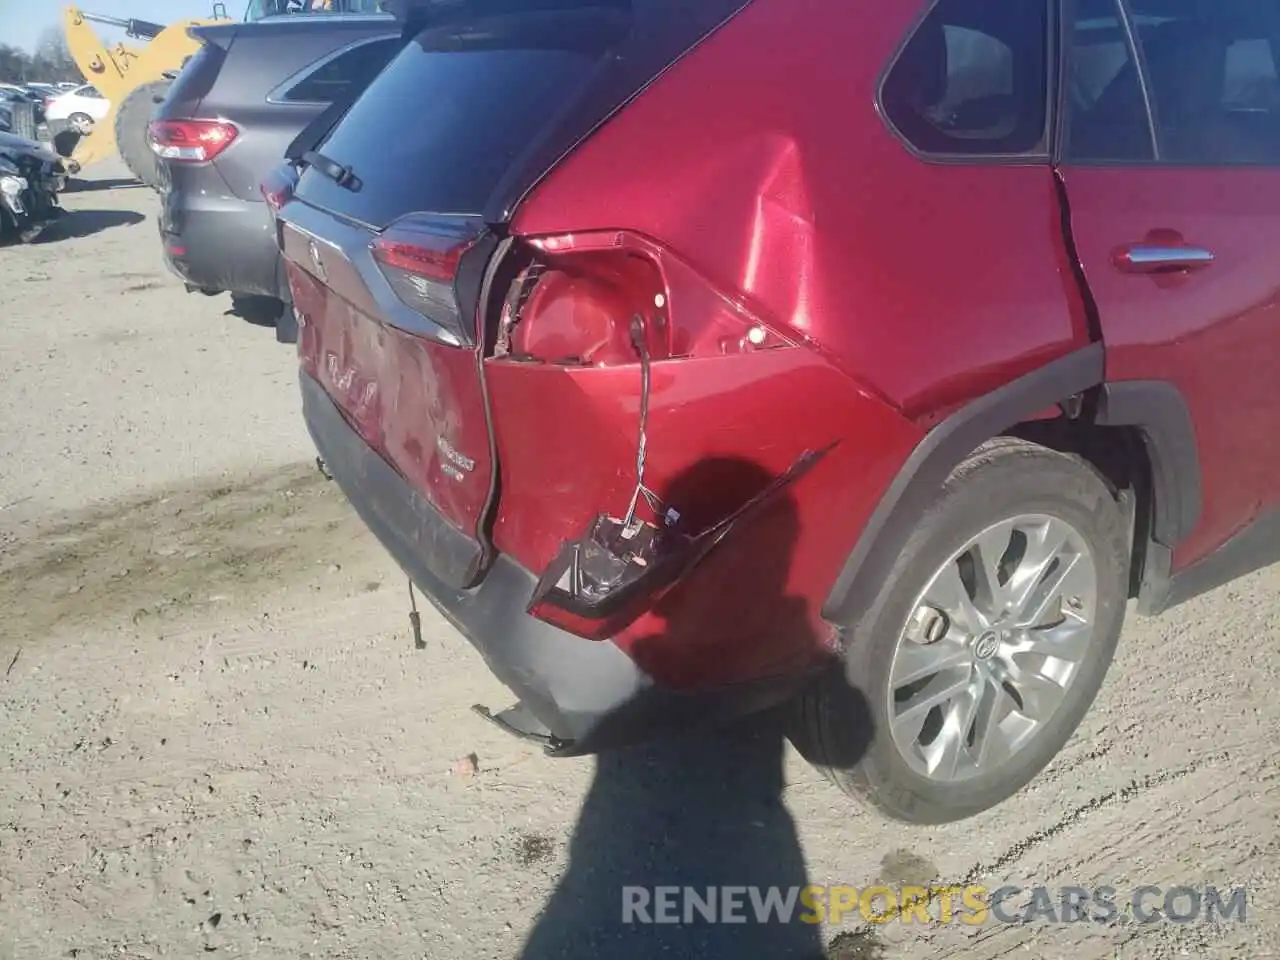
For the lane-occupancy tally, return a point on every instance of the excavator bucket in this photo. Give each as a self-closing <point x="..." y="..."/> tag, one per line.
<point x="131" y="76"/>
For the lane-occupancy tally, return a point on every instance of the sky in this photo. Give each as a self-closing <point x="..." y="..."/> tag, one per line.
<point x="22" y="21"/>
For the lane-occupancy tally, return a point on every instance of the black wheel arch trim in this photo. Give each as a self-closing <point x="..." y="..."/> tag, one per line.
<point x="931" y="462"/>
<point x="1156" y="408"/>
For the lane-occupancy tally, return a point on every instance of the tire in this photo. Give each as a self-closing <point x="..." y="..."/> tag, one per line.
<point x="80" y="122"/>
<point x="25" y="121"/>
<point x="1003" y="479"/>
<point x="132" y="117"/>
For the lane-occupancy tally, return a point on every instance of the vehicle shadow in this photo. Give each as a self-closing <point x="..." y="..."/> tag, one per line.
<point x="703" y="808"/>
<point x="85" y="223"/>
<point x="260" y="311"/>
<point x="77" y="185"/>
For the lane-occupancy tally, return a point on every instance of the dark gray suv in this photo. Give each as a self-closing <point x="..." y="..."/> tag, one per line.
<point x="225" y="124"/>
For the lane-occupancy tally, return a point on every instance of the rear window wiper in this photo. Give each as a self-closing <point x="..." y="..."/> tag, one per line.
<point x="340" y="174"/>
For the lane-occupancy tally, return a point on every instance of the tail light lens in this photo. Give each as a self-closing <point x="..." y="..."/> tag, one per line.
<point x="574" y="305"/>
<point x="190" y="141"/>
<point x="420" y="255"/>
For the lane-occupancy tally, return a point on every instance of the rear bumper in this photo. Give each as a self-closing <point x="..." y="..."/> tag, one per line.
<point x="216" y="242"/>
<point x="589" y="695"/>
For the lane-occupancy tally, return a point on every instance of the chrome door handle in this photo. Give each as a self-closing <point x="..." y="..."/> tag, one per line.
<point x="1158" y="258"/>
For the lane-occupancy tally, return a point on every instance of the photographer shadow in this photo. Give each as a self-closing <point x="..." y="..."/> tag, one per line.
<point x="669" y="828"/>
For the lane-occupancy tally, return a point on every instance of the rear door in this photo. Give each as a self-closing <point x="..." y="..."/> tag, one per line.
<point x="1173" y="176"/>
<point x="391" y="225"/>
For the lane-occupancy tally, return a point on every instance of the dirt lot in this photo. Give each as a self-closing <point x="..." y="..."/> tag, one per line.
<point x="218" y="738"/>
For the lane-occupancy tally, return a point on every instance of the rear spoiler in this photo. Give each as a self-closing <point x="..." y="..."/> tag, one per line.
<point x="217" y="35"/>
<point x="416" y="15"/>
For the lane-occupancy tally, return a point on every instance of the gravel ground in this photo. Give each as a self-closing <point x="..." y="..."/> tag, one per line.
<point x="218" y="738"/>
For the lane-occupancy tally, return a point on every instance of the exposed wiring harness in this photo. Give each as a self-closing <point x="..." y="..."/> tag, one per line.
<point x="638" y="340"/>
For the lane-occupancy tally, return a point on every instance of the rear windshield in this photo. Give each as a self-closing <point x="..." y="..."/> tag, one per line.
<point x="444" y="121"/>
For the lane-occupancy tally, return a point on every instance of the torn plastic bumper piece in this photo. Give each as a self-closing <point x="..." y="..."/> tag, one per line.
<point x="603" y="581"/>
<point x="519" y="721"/>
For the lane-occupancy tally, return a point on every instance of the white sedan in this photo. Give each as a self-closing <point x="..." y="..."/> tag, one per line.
<point x="81" y="107"/>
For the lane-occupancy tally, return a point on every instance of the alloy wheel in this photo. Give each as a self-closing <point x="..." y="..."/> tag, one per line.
<point x="991" y="647"/>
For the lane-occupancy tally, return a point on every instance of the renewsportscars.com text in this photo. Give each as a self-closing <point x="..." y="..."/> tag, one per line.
<point x="972" y="905"/>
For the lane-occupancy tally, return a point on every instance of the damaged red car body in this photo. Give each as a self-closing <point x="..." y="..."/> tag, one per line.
<point x="683" y="357"/>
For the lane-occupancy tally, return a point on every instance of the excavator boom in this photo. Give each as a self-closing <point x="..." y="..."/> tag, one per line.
<point x="137" y="29"/>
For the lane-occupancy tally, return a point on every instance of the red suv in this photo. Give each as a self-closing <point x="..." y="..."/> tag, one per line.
<point x="679" y="351"/>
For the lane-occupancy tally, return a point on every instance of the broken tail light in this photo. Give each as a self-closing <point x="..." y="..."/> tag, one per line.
<point x="575" y="301"/>
<point x="602" y="582"/>
<point x="190" y="141"/>
<point x="420" y="255"/>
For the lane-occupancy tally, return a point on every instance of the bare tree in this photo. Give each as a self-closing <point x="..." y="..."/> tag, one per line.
<point x="15" y="64"/>
<point x="50" y="62"/>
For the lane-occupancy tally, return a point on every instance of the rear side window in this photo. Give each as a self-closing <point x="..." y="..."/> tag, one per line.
<point x="1211" y="72"/>
<point x="973" y="80"/>
<point x="354" y="67"/>
<point x="1107" y="119"/>
<point x="1207" y="92"/>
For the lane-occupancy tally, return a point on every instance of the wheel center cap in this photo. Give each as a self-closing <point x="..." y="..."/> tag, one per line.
<point x="985" y="647"/>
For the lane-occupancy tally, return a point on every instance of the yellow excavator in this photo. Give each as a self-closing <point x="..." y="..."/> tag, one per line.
<point x="134" y="74"/>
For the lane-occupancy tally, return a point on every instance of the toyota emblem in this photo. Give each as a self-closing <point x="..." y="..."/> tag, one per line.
<point x="315" y="259"/>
